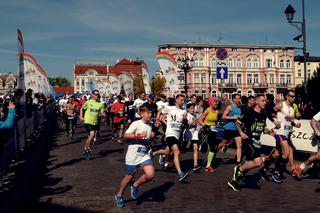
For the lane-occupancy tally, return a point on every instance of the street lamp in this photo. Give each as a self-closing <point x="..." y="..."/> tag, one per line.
<point x="185" y="64"/>
<point x="290" y="11"/>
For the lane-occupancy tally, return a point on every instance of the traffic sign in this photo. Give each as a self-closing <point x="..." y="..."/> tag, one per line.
<point x="222" y="53"/>
<point x="222" y="72"/>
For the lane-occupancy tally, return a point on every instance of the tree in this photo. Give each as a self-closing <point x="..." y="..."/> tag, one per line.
<point x="60" y="81"/>
<point x="157" y="86"/>
<point x="138" y="85"/>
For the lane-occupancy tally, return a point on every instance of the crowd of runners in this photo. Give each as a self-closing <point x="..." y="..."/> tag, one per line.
<point x="206" y="126"/>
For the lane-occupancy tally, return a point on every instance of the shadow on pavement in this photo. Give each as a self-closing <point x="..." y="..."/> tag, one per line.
<point x="54" y="208"/>
<point x="251" y="181"/>
<point x="155" y="194"/>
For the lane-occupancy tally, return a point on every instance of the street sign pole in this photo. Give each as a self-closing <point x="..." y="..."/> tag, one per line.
<point x="222" y="54"/>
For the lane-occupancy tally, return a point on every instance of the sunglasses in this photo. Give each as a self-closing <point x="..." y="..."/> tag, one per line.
<point x="292" y="96"/>
<point x="95" y="94"/>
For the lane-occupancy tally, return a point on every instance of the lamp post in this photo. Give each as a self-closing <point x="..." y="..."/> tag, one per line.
<point x="185" y="64"/>
<point x="290" y="11"/>
<point x="209" y="70"/>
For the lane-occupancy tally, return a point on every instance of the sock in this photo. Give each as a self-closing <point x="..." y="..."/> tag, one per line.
<point x="302" y="166"/>
<point x="210" y="157"/>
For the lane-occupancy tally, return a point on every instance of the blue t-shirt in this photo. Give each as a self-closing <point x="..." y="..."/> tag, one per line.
<point x="230" y="125"/>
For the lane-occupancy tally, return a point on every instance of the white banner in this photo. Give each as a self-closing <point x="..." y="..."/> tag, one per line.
<point x="169" y="68"/>
<point x="146" y="80"/>
<point x="127" y="82"/>
<point x="301" y="137"/>
<point x="115" y="84"/>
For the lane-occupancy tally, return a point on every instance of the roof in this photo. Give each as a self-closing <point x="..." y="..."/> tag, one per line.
<point x="299" y="58"/>
<point x="123" y="65"/>
<point x="63" y="90"/>
<point x="199" y="45"/>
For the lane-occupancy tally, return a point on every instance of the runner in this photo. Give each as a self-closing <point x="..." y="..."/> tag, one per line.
<point x="286" y="115"/>
<point x="93" y="110"/>
<point x="118" y="109"/>
<point x="254" y="122"/>
<point x="129" y="110"/>
<point x="71" y="109"/>
<point x="138" y="157"/>
<point x="175" y="119"/>
<point x="138" y="103"/>
<point x="316" y="128"/>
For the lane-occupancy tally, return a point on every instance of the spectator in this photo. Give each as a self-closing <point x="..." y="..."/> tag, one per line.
<point x="29" y="103"/>
<point x="8" y="123"/>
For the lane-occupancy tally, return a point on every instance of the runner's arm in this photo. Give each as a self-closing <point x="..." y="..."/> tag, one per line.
<point x="202" y="117"/>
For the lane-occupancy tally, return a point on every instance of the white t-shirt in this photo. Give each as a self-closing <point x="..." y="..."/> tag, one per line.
<point x="193" y="126"/>
<point x="138" y="103"/>
<point x="317" y="117"/>
<point x="174" y="121"/>
<point x="161" y="105"/>
<point x="62" y="103"/>
<point x="135" y="153"/>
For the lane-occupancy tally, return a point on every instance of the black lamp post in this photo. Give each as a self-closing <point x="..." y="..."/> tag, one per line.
<point x="185" y="64"/>
<point x="290" y="11"/>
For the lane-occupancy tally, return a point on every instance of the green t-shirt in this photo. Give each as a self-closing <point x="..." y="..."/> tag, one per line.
<point x="92" y="112"/>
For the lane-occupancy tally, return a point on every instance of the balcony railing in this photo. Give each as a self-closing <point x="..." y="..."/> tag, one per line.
<point x="260" y="85"/>
<point x="282" y="85"/>
<point x="228" y="85"/>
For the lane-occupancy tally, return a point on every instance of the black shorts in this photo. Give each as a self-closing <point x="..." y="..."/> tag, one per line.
<point x="171" y="141"/>
<point x="194" y="141"/>
<point x="90" y="127"/>
<point x="250" y="151"/>
<point x="117" y="125"/>
<point x="230" y="134"/>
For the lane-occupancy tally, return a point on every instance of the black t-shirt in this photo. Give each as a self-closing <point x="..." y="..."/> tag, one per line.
<point x="130" y="111"/>
<point x="254" y="123"/>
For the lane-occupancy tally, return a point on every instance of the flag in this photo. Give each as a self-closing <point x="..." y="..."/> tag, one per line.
<point x="21" y="83"/>
<point x="145" y="77"/>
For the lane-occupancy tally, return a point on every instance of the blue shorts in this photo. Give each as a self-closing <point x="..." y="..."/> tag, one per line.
<point x="280" y="138"/>
<point x="131" y="169"/>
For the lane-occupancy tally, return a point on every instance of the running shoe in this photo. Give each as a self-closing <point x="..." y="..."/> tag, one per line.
<point x="276" y="176"/>
<point x="85" y="152"/>
<point x="165" y="166"/>
<point x="162" y="159"/>
<point x="237" y="174"/>
<point x="196" y="168"/>
<point x="209" y="169"/>
<point x="234" y="185"/>
<point x="134" y="192"/>
<point x="183" y="175"/>
<point x="263" y="174"/>
<point x="119" y="201"/>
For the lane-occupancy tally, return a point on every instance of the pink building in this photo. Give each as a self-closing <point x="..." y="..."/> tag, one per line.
<point x="252" y="69"/>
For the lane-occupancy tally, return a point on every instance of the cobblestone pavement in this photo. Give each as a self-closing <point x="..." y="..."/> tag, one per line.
<point x="75" y="184"/>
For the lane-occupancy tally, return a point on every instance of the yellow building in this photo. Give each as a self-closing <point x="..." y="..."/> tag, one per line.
<point x="313" y="64"/>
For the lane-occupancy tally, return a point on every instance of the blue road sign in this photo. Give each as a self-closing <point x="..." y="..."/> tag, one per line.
<point x="222" y="72"/>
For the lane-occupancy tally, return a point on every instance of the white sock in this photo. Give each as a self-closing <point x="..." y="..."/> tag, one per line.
<point x="302" y="166"/>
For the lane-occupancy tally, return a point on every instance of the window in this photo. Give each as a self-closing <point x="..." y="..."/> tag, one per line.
<point x="255" y="78"/>
<point x="214" y="94"/>
<point x="231" y="78"/>
<point x="299" y="72"/>
<point x="203" y="94"/>
<point x="178" y="48"/>
<point x="196" y="78"/>
<point x="239" y="64"/>
<point x="288" y="64"/>
<point x="214" y="78"/>
<point x="203" y="77"/>
<point x="234" y="49"/>
<point x="281" y="63"/>
<point x="82" y="82"/>
<point x="214" y="62"/>
<point x="78" y="82"/>
<point x="239" y="79"/>
<point x="271" y="81"/>
<point x="230" y="63"/>
<point x="250" y="93"/>
<point x="255" y="63"/>
<point x="198" y="62"/>
<point x="309" y="74"/>
<point x="288" y="79"/>
<point x="196" y="92"/>
<point x="249" y="63"/>
<point x="282" y="79"/>
<point x="249" y="79"/>
<point x="268" y="62"/>
<point x="181" y="78"/>
<point x="251" y="50"/>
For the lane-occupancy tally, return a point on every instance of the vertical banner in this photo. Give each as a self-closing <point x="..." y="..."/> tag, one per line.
<point x="21" y="83"/>
<point x="92" y="85"/>
<point x="115" y="84"/>
<point x="127" y="82"/>
<point x="145" y="77"/>
<point x="169" y="68"/>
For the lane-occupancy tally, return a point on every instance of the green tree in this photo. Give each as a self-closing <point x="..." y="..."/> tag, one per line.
<point x="158" y="85"/>
<point x="60" y="81"/>
<point x="138" y="85"/>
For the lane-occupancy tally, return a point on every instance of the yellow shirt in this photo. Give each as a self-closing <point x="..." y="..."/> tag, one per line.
<point x="211" y="118"/>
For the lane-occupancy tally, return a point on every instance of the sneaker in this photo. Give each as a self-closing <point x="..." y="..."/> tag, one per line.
<point x="237" y="174"/>
<point x="165" y="166"/>
<point x="162" y="160"/>
<point x="85" y="152"/>
<point x="276" y="176"/>
<point x="183" y="176"/>
<point x="263" y="174"/>
<point x="119" y="201"/>
<point x="209" y="169"/>
<point x="134" y="192"/>
<point x="234" y="185"/>
<point x="196" y="168"/>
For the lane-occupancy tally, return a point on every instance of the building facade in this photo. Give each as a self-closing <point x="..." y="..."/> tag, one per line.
<point x="98" y="70"/>
<point x="252" y="69"/>
<point x="313" y="63"/>
<point x="8" y="83"/>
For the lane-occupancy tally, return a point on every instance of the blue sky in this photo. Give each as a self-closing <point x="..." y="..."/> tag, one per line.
<point x="59" y="32"/>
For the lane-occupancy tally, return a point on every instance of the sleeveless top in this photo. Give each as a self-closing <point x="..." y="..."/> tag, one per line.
<point x="285" y="116"/>
<point x="230" y="125"/>
<point x="211" y="118"/>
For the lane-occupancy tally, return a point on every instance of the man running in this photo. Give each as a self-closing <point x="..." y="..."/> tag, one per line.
<point x="138" y="103"/>
<point x="93" y="111"/>
<point x="71" y="111"/>
<point x="118" y="109"/>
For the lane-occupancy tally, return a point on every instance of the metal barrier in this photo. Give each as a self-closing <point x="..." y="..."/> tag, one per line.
<point x="14" y="140"/>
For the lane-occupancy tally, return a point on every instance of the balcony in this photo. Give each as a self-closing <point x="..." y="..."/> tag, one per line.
<point x="282" y="86"/>
<point x="260" y="85"/>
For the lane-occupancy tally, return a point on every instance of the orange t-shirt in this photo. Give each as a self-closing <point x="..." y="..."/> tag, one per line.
<point x="118" y="110"/>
